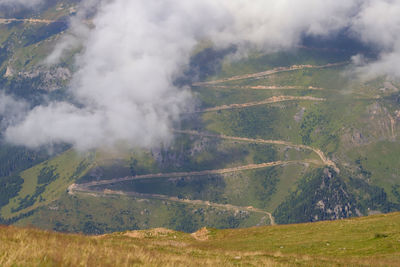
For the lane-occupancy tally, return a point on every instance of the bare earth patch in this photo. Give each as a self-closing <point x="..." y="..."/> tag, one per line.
<point x="157" y="232"/>
<point x="202" y="234"/>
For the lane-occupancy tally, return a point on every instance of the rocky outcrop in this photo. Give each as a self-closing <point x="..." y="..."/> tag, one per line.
<point x="332" y="201"/>
<point x="322" y="196"/>
<point x="45" y="79"/>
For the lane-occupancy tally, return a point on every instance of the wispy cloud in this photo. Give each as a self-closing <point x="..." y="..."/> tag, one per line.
<point x="12" y="111"/>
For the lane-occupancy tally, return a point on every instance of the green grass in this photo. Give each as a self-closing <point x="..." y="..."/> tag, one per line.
<point x="92" y="214"/>
<point x="329" y="78"/>
<point x="211" y="97"/>
<point x="347" y="239"/>
<point x="261" y="188"/>
<point x="380" y="162"/>
<point x="25" y="57"/>
<point x="191" y="153"/>
<point x="287" y="183"/>
<point x="273" y="121"/>
<point x="257" y="62"/>
<point x="69" y="167"/>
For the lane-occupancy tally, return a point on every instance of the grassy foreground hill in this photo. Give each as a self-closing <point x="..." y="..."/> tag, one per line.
<point x="366" y="241"/>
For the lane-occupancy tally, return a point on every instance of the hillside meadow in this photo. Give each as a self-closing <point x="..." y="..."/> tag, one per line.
<point x="365" y="241"/>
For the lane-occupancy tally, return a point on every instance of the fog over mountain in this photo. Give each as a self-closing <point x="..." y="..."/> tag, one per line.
<point x="137" y="49"/>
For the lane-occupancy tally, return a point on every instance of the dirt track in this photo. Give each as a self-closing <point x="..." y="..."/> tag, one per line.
<point x="86" y="187"/>
<point x="196" y="173"/>
<point x="274" y="99"/>
<point x="44" y="21"/>
<point x="268" y="72"/>
<point x="264" y="87"/>
<point x="321" y="154"/>
<point x="77" y="189"/>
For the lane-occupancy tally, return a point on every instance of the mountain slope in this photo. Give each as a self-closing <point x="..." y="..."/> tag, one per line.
<point x="291" y="156"/>
<point x="291" y="135"/>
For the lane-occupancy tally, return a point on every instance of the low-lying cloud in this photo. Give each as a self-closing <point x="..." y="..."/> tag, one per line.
<point x="12" y="111"/>
<point x="378" y="25"/>
<point x="124" y="85"/>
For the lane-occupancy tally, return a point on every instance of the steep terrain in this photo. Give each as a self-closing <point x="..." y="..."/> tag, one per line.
<point x="284" y="137"/>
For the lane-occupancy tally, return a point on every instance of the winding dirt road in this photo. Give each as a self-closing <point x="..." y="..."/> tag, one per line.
<point x="264" y="87"/>
<point x="271" y="100"/>
<point x="196" y="173"/>
<point x="86" y="188"/>
<point x="321" y="154"/>
<point x="44" y="21"/>
<point x="267" y="73"/>
<point x="78" y="189"/>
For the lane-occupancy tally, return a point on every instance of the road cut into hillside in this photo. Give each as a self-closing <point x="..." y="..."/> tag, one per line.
<point x="76" y="188"/>
<point x="87" y="188"/>
<point x="268" y="72"/>
<point x="266" y="87"/>
<point x="33" y="21"/>
<point x="271" y="100"/>
<point x="196" y="173"/>
<point x="321" y="154"/>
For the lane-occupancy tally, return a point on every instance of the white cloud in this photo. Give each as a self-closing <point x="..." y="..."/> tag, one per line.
<point x="137" y="48"/>
<point x="11" y="110"/>
<point x="79" y="31"/>
<point x="378" y="24"/>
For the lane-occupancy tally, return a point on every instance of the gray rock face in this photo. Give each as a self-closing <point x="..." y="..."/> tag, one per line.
<point x="47" y="79"/>
<point x="332" y="200"/>
<point x="324" y="197"/>
<point x="298" y="117"/>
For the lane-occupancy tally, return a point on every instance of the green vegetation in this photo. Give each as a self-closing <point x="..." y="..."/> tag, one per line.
<point x="257" y="62"/>
<point x="12" y="161"/>
<point x="378" y="163"/>
<point x="9" y="188"/>
<point x="294" y="192"/>
<point x="17" y="159"/>
<point x="321" y="195"/>
<point x="46" y="182"/>
<point x="254" y="122"/>
<point x="356" y="126"/>
<point x="92" y="214"/>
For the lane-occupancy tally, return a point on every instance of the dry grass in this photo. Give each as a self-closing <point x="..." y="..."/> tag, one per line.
<point x="202" y="234"/>
<point x="30" y="247"/>
<point x="369" y="241"/>
<point x="157" y="232"/>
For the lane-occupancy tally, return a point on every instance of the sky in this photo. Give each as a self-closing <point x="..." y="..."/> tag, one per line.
<point x="124" y="82"/>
